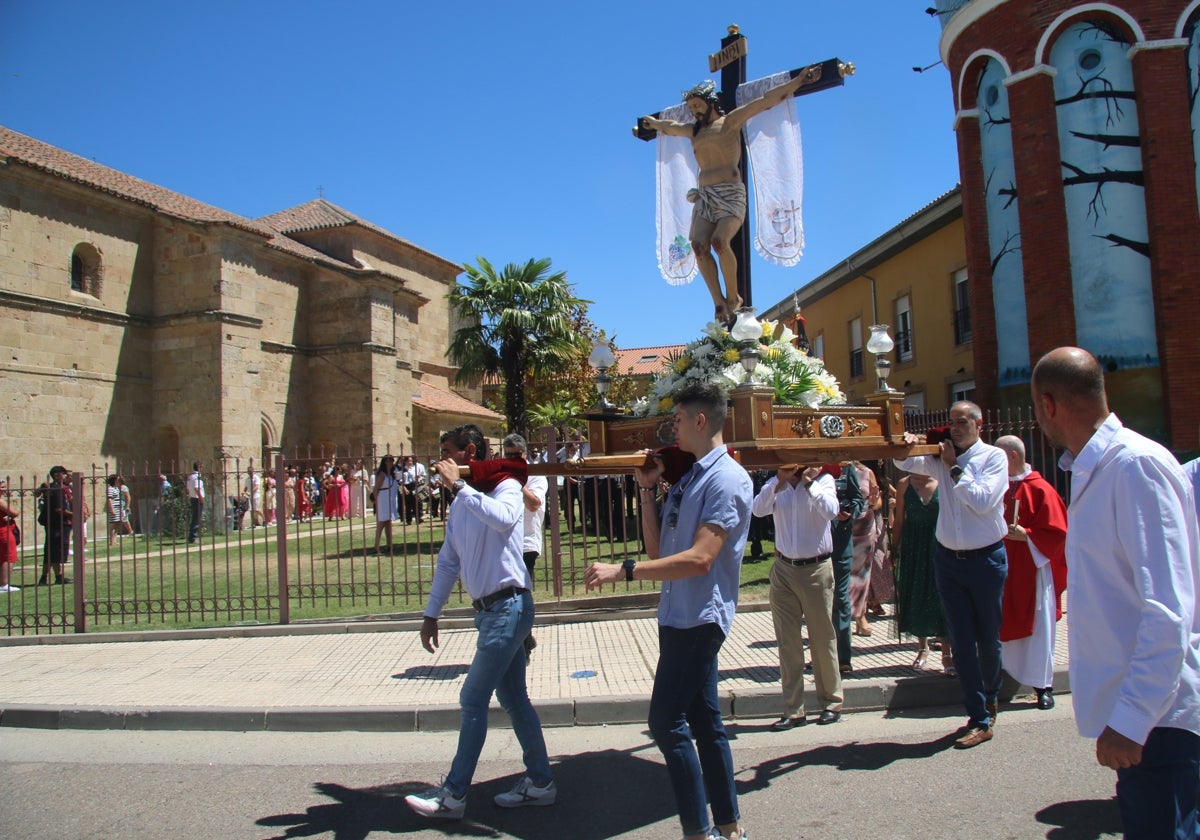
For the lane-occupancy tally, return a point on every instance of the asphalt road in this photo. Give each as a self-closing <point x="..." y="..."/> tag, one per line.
<point x="867" y="777"/>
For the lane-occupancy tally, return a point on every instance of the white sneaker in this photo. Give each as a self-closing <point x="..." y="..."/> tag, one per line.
<point x="714" y="833"/>
<point x="525" y="792"/>
<point x="7" y="588"/>
<point x="437" y="803"/>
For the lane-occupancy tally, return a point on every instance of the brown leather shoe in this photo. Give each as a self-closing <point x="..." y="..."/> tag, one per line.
<point x="975" y="736"/>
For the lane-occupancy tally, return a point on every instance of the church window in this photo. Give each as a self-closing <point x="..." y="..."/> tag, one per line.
<point x="87" y="270"/>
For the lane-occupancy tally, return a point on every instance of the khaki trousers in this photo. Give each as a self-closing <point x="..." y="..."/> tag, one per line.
<point x="804" y="594"/>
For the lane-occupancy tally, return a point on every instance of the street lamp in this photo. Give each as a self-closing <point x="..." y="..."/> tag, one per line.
<point x="880" y="343"/>
<point x="747" y="331"/>
<point x="601" y="359"/>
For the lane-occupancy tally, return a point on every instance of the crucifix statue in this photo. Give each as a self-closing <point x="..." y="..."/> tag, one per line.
<point x="716" y="238"/>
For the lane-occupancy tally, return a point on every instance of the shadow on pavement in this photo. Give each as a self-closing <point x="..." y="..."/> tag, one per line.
<point x="851" y="756"/>
<point x="601" y="794"/>
<point x="1081" y="819"/>
<point x="433" y="672"/>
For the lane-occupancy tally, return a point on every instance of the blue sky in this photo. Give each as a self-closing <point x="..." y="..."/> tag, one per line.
<point x="483" y="128"/>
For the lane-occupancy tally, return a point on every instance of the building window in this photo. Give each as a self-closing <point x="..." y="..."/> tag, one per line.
<point x="818" y="347"/>
<point x="960" y="391"/>
<point x="87" y="270"/>
<point x="904" y="337"/>
<point x="856" y="348"/>
<point x="962" y="308"/>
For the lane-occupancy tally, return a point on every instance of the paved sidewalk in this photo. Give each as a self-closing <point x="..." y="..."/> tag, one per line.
<point x="375" y="676"/>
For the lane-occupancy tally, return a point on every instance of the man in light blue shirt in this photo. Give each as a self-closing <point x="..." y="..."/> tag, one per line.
<point x="482" y="548"/>
<point x="696" y="549"/>
<point x="1134" y="625"/>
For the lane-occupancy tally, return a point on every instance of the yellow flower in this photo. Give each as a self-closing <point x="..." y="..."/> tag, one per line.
<point x="768" y="329"/>
<point x="731" y="355"/>
<point x="665" y="405"/>
<point x="683" y="363"/>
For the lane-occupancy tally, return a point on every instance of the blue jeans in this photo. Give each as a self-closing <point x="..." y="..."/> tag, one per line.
<point x="499" y="666"/>
<point x="1157" y="798"/>
<point x="972" y="589"/>
<point x="685" y="699"/>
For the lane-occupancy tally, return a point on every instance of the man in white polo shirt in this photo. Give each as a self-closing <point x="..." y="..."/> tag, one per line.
<point x="970" y="563"/>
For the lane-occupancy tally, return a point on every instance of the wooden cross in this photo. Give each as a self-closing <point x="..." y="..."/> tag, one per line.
<point x="731" y="61"/>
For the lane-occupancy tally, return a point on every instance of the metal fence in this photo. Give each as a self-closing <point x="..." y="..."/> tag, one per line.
<point x="274" y="560"/>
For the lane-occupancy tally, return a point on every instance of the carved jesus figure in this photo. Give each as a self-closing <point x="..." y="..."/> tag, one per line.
<point x="720" y="194"/>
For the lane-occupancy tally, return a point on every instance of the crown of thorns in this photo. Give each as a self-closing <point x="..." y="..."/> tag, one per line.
<point x="706" y="90"/>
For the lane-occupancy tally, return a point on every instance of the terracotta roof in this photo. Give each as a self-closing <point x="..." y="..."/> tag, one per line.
<point x="20" y="148"/>
<point x="433" y="398"/>
<point x="320" y="214"/>
<point x="643" y="361"/>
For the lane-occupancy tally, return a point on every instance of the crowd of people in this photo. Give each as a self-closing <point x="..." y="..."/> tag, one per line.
<point x="972" y="547"/>
<point x="976" y="564"/>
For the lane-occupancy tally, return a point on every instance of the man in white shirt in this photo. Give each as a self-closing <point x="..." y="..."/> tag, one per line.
<point x="803" y="505"/>
<point x="252" y="492"/>
<point x="195" y="491"/>
<point x="534" y="496"/>
<point x="970" y="563"/>
<point x="482" y="548"/>
<point x="1134" y="630"/>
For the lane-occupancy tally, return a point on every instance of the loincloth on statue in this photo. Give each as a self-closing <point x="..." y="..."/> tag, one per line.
<point x="718" y="201"/>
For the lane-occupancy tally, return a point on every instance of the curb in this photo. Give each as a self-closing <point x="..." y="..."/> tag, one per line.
<point x="865" y="696"/>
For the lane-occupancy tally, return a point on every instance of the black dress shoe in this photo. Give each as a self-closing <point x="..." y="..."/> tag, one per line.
<point x="786" y="723"/>
<point x="1045" y="698"/>
<point x="827" y="717"/>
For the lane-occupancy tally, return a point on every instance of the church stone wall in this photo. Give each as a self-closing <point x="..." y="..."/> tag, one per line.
<point x="200" y="340"/>
<point x="75" y="373"/>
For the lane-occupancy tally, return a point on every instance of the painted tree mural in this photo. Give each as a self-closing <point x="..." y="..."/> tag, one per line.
<point x="1004" y="227"/>
<point x="1103" y="188"/>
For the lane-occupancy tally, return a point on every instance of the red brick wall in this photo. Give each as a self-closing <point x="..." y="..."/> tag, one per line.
<point x="1013" y="30"/>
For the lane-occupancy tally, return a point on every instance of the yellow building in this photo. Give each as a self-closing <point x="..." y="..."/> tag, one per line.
<point x="912" y="278"/>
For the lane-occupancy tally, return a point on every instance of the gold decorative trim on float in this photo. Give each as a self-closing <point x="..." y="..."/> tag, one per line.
<point x="763" y="435"/>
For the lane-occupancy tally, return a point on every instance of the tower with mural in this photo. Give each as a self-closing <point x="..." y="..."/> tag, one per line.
<point x="1077" y="127"/>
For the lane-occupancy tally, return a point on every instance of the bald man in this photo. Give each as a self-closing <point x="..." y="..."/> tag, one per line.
<point x="1134" y="627"/>
<point x="1037" y="573"/>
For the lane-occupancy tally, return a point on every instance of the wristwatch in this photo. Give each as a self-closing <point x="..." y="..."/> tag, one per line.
<point x="956" y="472"/>
<point x="629" y="565"/>
<point x="458" y="485"/>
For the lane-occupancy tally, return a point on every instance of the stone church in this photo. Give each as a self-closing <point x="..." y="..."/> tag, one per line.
<point x="140" y="325"/>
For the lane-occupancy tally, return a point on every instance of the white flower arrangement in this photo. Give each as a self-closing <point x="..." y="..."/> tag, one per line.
<point x="796" y="377"/>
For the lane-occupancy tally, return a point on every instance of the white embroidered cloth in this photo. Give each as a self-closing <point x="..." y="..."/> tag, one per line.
<point x="676" y="172"/>
<point x="777" y="171"/>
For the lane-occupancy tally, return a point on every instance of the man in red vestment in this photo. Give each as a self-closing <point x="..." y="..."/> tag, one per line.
<point x="1037" y="573"/>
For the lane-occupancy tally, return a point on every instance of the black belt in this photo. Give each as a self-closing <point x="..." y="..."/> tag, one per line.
<point x="481" y="604"/>
<point x="802" y="561"/>
<point x="969" y="553"/>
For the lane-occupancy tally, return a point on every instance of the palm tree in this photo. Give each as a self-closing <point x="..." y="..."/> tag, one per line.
<point x="517" y="324"/>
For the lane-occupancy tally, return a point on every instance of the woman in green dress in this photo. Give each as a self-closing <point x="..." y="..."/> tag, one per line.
<point x="919" y="606"/>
